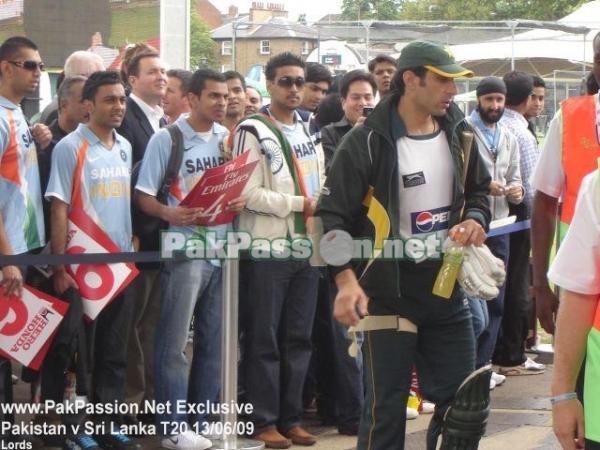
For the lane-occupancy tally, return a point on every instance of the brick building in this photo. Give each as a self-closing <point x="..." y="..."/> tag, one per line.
<point x="248" y="39"/>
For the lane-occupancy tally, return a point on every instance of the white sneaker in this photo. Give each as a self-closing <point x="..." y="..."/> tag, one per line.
<point x="427" y="407"/>
<point x="530" y="364"/>
<point x="411" y="413"/>
<point x="492" y="384"/>
<point x="499" y="379"/>
<point x="187" y="440"/>
<point x="209" y="430"/>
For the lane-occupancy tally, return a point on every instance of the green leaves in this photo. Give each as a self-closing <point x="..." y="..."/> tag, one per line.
<point x="201" y="44"/>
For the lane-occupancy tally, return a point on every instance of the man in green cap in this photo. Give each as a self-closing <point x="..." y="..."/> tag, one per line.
<point x="408" y="174"/>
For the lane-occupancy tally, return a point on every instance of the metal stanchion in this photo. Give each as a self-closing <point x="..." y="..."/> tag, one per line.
<point x="229" y="359"/>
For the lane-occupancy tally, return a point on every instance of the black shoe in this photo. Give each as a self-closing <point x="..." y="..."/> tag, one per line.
<point x="116" y="441"/>
<point x="349" y="430"/>
<point x="130" y="421"/>
<point x="147" y="418"/>
<point x="80" y="442"/>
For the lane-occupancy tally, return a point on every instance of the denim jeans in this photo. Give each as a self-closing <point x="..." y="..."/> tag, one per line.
<point x="349" y="378"/>
<point x="277" y="308"/>
<point x="189" y="288"/>
<point x="480" y="316"/>
<point x="499" y="246"/>
<point x="349" y="388"/>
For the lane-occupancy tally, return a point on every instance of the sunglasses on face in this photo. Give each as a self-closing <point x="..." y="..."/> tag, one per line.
<point x="288" y="82"/>
<point x="28" y="65"/>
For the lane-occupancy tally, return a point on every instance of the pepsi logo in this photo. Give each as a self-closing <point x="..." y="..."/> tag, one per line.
<point x="424" y="221"/>
<point x="428" y="221"/>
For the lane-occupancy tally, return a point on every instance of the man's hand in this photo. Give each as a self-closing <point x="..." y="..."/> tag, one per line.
<point x="236" y="205"/>
<point x="350" y="303"/>
<point x="468" y="232"/>
<point x="63" y="281"/>
<point x="496" y="189"/>
<point x="567" y="422"/>
<point x="514" y="192"/>
<point x="41" y="135"/>
<point x="310" y="205"/>
<point x="12" y="281"/>
<point x="546" y="303"/>
<point x="181" y="216"/>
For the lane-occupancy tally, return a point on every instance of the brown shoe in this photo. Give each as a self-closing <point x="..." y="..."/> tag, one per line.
<point x="273" y="439"/>
<point x="300" y="436"/>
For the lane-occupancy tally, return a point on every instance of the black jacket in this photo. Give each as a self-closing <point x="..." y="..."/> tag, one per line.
<point x="367" y="157"/>
<point x="331" y="135"/>
<point x="136" y="128"/>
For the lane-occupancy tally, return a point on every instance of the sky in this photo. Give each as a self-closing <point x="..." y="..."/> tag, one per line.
<point x="314" y="9"/>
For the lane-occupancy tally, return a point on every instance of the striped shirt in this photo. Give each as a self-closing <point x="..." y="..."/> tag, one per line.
<point x="528" y="149"/>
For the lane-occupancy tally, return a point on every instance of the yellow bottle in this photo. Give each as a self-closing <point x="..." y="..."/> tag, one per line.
<point x="446" y="278"/>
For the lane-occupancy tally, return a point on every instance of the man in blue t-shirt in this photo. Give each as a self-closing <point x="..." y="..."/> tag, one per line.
<point x="91" y="170"/>
<point x="189" y="287"/>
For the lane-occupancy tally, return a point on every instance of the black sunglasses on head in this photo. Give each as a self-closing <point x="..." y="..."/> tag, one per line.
<point x="288" y="82"/>
<point x="28" y="65"/>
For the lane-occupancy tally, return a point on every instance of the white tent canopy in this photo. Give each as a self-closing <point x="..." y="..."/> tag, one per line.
<point x="540" y="50"/>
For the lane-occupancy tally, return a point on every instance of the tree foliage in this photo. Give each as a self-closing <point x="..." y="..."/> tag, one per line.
<point x="544" y="10"/>
<point x="201" y="44"/>
<point x="370" y="9"/>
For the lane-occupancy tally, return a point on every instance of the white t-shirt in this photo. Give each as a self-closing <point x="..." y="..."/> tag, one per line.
<point x="577" y="263"/>
<point x="426" y="176"/>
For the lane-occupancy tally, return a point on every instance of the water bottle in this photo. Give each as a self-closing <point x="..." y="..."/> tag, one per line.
<point x="446" y="278"/>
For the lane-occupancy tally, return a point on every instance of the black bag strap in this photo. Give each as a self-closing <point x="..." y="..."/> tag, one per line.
<point x="175" y="159"/>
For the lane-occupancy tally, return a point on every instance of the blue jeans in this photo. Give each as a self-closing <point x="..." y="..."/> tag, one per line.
<point x="189" y="288"/>
<point x="499" y="246"/>
<point x="349" y="388"/>
<point x="277" y="309"/>
<point x="480" y="316"/>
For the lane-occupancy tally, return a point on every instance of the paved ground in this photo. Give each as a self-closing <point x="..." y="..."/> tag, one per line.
<point x="520" y="420"/>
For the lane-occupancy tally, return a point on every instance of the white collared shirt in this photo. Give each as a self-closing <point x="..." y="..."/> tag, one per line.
<point x="154" y="114"/>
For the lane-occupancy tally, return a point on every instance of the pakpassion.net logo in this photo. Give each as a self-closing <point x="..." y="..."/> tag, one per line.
<point x="336" y="247"/>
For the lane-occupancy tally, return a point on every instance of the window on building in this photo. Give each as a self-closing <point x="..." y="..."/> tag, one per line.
<point x="226" y="47"/>
<point x="265" y="47"/>
<point x="305" y="47"/>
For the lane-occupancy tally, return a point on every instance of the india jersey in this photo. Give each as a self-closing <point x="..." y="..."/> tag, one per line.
<point x="306" y="153"/>
<point x="200" y="152"/>
<point x="426" y="177"/>
<point x="21" y="198"/>
<point x="88" y="175"/>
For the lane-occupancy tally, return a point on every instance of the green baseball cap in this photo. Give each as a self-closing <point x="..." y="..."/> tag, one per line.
<point x="434" y="56"/>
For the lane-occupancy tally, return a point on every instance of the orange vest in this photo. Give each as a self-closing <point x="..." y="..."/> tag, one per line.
<point x="580" y="148"/>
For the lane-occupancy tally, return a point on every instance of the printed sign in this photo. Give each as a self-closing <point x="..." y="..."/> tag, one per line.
<point x="27" y="325"/>
<point x="98" y="284"/>
<point x="217" y="187"/>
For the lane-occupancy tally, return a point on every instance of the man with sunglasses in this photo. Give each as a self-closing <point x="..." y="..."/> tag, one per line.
<point x="21" y="217"/>
<point x="277" y="294"/>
